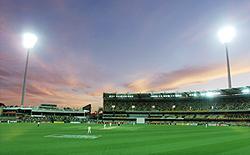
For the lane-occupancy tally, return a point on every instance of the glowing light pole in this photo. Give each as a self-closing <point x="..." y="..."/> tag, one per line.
<point x="226" y="35"/>
<point x="29" y="41"/>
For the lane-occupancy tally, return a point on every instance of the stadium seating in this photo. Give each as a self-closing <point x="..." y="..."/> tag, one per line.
<point x="227" y="99"/>
<point x="225" y="105"/>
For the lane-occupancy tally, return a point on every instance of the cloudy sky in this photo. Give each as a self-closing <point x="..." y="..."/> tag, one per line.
<point x="87" y="47"/>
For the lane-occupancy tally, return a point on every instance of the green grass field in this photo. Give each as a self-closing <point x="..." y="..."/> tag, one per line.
<point x="24" y="139"/>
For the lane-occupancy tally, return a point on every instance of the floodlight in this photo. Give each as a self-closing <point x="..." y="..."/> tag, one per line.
<point x="113" y="106"/>
<point x="203" y="93"/>
<point x="212" y="94"/>
<point x="29" y="40"/>
<point x="178" y="95"/>
<point x="226" y="34"/>
<point x="246" y="91"/>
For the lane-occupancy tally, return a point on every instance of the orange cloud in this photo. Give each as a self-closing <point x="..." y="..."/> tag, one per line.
<point x="184" y="77"/>
<point x="139" y="85"/>
<point x="45" y="84"/>
<point x="49" y="85"/>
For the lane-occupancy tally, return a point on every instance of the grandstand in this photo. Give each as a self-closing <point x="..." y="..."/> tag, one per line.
<point x="223" y="105"/>
<point x="44" y="113"/>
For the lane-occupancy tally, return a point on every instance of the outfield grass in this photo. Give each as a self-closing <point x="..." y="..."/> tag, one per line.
<point x="24" y="139"/>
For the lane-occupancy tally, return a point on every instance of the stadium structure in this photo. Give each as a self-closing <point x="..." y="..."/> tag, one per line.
<point x="44" y="113"/>
<point x="223" y="106"/>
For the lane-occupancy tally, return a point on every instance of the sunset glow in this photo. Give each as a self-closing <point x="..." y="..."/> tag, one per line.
<point x="90" y="47"/>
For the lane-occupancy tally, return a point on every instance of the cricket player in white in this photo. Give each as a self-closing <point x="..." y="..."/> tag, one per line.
<point x="110" y="124"/>
<point x="104" y="126"/>
<point x="89" y="129"/>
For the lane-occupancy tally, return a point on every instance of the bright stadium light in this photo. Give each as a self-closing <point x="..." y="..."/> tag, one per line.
<point x="209" y="94"/>
<point x="194" y="94"/>
<point x="226" y="35"/>
<point x="212" y="94"/>
<point x="29" y="40"/>
<point x="203" y="93"/>
<point x="113" y="107"/>
<point x="246" y="91"/>
<point x="178" y="95"/>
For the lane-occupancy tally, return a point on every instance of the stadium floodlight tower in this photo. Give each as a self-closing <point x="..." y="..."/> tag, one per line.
<point x="226" y="35"/>
<point x="29" y="41"/>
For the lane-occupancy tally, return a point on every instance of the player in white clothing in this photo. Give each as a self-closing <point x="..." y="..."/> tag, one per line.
<point x="89" y="129"/>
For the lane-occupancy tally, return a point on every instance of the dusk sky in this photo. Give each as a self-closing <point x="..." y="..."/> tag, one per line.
<point x="87" y="47"/>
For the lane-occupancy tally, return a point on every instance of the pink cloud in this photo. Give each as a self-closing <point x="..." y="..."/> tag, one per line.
<point x="184" y="77"/>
